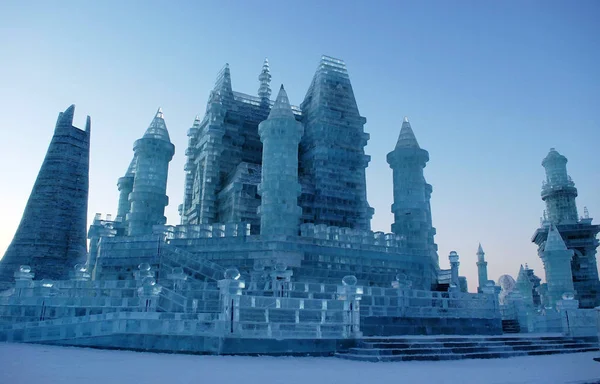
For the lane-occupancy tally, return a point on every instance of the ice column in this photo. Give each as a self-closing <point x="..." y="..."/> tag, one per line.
<point x="279" y="188"/>
<point x="454" y="263"/>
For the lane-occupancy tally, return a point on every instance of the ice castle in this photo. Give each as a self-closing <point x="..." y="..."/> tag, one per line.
<point x="274" y="252"/>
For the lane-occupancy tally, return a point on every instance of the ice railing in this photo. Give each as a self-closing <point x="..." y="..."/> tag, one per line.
<point x="349" y="238"/>
<point x="279" y="317"/>
<point x="202" y="231"/>
<point x="142" y="323"/>
<point x="399" y="302"/>
<point x="241" y="316"/>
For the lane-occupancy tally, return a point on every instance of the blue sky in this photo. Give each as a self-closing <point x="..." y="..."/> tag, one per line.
<point x="488" y="86"/>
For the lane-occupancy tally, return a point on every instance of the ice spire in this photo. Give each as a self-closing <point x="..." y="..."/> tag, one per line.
<point x="281" y="108"/>
<point x="554" y="242"/>
<point x="407" y="138"/>
<point x="223" y="84"/>
<point x="264" y="91"/>
<point x="158" y="127"/>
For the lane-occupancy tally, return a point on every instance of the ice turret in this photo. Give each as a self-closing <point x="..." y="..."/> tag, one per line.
<point x="558" y="191"/>
<point x="51" y="237"/>
<point x="412" y="194"/>
<point x="125" y="186"/>
<point x="280" y="134"/>
<point x="148" y="198"/>
<point x="481" y="269"/>
<point x="557" y="264"/>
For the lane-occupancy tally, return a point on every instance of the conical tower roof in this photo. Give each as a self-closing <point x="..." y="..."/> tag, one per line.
<point x="281" y="108"/>
<point x="554" y="242"/>
<point x="407" y="138"/>
<point x="480" y="250"/>
<point x="131" y="169"/>
<point x="158" y="128"/>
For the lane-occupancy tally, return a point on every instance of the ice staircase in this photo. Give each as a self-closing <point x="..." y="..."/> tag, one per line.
<point x="194" y="267"/>
<point x="511" y="326"/>
<point x="468" y="347"/>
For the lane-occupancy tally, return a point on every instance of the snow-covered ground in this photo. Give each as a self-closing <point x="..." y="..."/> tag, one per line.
<point x="26" y="363"/>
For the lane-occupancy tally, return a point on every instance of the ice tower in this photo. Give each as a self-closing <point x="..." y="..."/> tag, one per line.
<point x="51" y="237"/>
<point x="578" y="234"/>
<point x="148" y="197"/>
<point x="332" y="156"/>
<point x="412" y="194"/>
<point x="279" y="189"/>
<point x="558" y="192"/>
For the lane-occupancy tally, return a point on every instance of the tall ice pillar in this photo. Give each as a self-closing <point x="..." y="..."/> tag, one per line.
<point x="279" y="188"/>
<point x="149" y="198"/>
<point x="481" y="269"/>
<point x="51" y="237"/>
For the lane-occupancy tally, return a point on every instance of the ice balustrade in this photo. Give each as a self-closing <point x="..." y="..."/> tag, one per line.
<point x="284" y="317"/>
<point x="349" y="238"/>
<point x="202" y="231"/>
<point x="112" y="323"/>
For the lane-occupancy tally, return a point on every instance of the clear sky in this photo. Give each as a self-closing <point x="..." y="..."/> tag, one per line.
<point x="488" y="86"/>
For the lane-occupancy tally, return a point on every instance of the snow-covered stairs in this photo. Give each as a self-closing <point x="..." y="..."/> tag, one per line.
<point x="467" y="347"/>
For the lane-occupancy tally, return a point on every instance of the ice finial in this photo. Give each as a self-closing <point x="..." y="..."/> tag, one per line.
<point x="264" y="91"/>
<point x="158" y="127"/>
<point x="586" y="213"/>
<point x="554" y="242"/>
<point x="406" y="119"/>
<point x="88" y="124"/>
<point x="480" y="250"/>
<point x="407" y="138"/>
<point x="281" y="108"/>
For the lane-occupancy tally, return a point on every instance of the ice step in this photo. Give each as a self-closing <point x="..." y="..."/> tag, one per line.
<point x="436" y="357"/>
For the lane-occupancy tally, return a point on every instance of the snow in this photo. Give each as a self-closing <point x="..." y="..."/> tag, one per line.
<point x="28" y="363"/>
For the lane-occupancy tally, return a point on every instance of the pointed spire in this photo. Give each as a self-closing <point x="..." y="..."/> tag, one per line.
<point x="158" y="127"/>
<point x="264" y="91"/>
<point x="407" y="138"/>
<point x="281" y="108"/>
<point x="480" y="250"/>
<point x="554" y="242"/>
